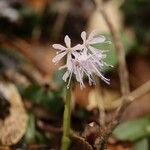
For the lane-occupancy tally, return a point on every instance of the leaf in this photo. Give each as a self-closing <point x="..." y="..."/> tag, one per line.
<point x="142" y="144"/>
<point x="13" y="127"/>
<point x="133" y="130"/>
<point x="32" y="135"/>
<point x="50" y="100"/>
<point x="41" y="138"/>
<point x="111" y="54"/>
<point x="30" y="132"/>
<point x="34" y="93"/>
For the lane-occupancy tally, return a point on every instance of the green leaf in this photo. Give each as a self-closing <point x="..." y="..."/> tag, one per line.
<point x="41" y="138"/>
<point x="142" y="144"/>
<point x="133" y="130"/>
<point x="111" y="54"/>
<point x="32" y="135"/>
<point x="50" y="100"/>
<point x="30" y="132"/>
<point x="34" y="93"/>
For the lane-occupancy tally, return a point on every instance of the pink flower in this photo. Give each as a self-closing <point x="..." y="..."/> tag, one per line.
<point x="92" y="66"/>
<point x="88" y="42"/>
<point x="82" y="60"/>
<point x="68" y="50"/>
<point x="84" y="65"/>
<point x="73" y="68"/>
<point x="92" y="39"/>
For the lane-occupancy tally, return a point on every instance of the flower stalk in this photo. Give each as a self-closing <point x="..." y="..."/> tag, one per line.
<point x="66" y="120"/>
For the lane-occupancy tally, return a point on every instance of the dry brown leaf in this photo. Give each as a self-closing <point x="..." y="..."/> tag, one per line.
<point x="13" y="127"/>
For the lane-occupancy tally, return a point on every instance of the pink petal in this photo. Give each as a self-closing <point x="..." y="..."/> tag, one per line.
<point x="101" y="76"/>
<point x="78" y="47"/>
<point x="75" y="54"/>
<point x="92" y="34"/>
<point x="58" y="57"/>
<point x="67" y="41"/>
<point x="69" y="62"/>
<point x="83" y="36"/>
<point x="69" y="80"/>
<point x="62" y="67"/>
<point x="93" y="50"/>
<point x="97" y="40"/>
<point x="79" y="77"/>
<point x="66" y="75"/>
<point x="58" y="46"/>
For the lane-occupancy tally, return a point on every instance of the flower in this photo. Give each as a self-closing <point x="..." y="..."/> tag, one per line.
<point x="93" y="66"/>
<point x="82" y="60"/>
<point x="87" y="65"/>
<point x="68" y="50"/>
<point x="88" y="42"/>
<point x="77" y="70"/>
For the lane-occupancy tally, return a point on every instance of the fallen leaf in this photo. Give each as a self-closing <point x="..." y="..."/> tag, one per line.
<point x="13" y="127"/>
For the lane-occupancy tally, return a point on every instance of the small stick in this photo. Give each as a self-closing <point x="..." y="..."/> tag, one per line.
<point x="140" y="91"/>
<point x="123" y="72"/>
<point x="123" y="75"/>
<point x="100" y="104"/>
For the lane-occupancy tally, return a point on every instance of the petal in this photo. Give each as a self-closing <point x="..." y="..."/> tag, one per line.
<point x="77" y="47"/>
<point x="97" y="40"/>
<point x="69" y="80"/>
<point x="93" y="50"/>
<point x="69" y="62"/>
<point x="67" y="41"/>
<point x="101" y="75"/>
<point x="66" y="75"/>
<point x="92" y="34"/>
<point x="85" y="49"/>
<point x="75" y="54"/>
<point x="91" y="79"/>
<point x="58" y="57"/>
<point x="62" y="67"/>
<point x="58" y="46"/>
<point x="79" y="77"/>
<point x="83" y="36"/>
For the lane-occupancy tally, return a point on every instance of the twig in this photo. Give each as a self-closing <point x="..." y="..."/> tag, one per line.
<point x="123" y="75"/>
<point x="100" y="104"/>
<point x="123" y="72"/>
<point x="115" y="121"/>
<point x="140" y="91"/>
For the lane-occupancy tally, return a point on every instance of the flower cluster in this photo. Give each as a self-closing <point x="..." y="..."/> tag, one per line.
<point x="82" y="59"/>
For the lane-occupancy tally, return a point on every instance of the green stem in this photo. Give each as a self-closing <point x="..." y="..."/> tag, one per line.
<point x="66" y="121"/>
